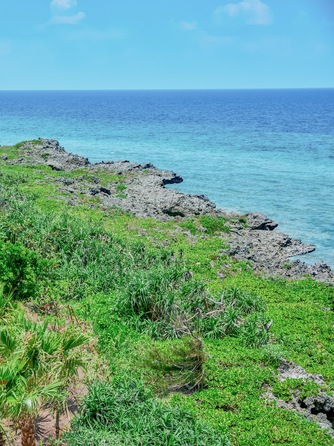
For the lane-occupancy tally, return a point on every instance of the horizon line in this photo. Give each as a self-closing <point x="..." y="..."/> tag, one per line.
<point x="167" y="89"/>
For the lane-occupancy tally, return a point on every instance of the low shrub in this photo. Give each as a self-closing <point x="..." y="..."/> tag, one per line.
<point x="214" y="224"/>
<point x="21" y="269"/>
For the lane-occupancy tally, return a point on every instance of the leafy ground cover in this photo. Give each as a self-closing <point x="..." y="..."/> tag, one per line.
<point x="199" y="351"/>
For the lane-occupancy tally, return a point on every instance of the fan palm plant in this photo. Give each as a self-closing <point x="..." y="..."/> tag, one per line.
<point x="28" y="378"/>
<point x="22" y="396"/>
<point x="68" y="360"/>
<point x="37" y="365"/>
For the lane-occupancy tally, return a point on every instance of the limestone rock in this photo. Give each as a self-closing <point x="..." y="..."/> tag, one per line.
<point x="256" y="220"/>
<point x="49" y="151"/>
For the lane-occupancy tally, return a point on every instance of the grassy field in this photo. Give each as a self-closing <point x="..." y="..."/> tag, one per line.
<point x="189" y="355"/>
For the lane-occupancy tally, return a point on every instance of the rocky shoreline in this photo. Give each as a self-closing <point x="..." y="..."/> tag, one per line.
<point x="140" y="190"/>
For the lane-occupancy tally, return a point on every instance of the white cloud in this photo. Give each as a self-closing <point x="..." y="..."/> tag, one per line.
<point x="255" y="11"/>
<point x="68" y="19"/>
<point x="58" y="8"/>
<point x="187" y="26"/>
<point x="63" y="4"/>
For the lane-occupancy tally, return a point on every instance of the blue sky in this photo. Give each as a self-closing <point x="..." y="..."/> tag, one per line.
<point x="166" y="44"/>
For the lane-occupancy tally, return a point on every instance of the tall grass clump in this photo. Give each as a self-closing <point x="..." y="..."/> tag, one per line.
<point x="180" y="363"/>
<point x="123" y="412"/>
<point x="238" y="313"/>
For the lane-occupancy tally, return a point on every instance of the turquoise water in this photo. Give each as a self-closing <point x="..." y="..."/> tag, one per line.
<point x="252" y="150"/>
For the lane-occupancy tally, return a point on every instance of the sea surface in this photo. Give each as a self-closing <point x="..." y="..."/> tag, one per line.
<point x="247" y="150"/>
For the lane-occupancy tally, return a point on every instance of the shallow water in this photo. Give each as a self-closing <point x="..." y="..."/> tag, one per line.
<point x="248" y="150"/>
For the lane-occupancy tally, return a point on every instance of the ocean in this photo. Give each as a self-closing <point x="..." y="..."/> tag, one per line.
<point x="270" y="151"/>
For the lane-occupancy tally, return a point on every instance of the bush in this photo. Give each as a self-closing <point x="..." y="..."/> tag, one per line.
<point x="21" y="269"/>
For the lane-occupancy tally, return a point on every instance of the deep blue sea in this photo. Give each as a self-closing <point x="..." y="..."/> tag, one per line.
<point x="247" y="150"/>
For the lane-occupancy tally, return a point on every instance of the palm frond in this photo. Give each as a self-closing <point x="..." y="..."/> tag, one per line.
<point x="72" y="340"/>
<point x="8" y="341"/>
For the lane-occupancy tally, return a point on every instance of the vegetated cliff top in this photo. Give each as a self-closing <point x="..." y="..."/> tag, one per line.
<point x="140" y="190"/>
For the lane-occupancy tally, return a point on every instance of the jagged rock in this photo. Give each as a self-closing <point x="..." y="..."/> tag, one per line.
<point x="94" y="190"/>
<point x="104" y="190"/>
<point x="97" y="190"/>
<point x="49" y="151"/>
<point x="176" y="179"/>
<point x="319" y="403"/>
<point x="147" y="196"/>
<point x="318" y="408"/>
<point x="290" y="370"/>
<point x="265" y="247"/>
<point x="55" y="166"/>
<point x="256" y="220"/>
<point x="67" y="181"/>
<point x="269" y="252"/>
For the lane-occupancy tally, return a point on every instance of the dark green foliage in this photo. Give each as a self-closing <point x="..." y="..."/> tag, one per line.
<point x="37" y="365"/>
<point x="87" y="259"/>
<point x="21" y="269"/>
<point x="124" y="413"/>
<point x="11" y="181"/>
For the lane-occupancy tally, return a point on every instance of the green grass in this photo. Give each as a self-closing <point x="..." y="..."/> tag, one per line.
<point x="143" y="284"/>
